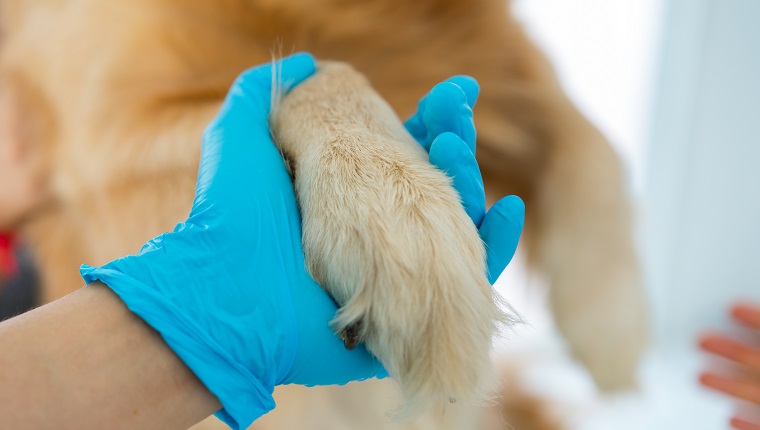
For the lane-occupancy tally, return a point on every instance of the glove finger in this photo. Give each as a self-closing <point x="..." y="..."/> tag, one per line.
<point x="256" y="83"/>
<point x="469" y="85"/>
<point x="500" y="232"/>
<point x="447" y="111"/>
<point x="447" y="107"/>
<point x="452" y="155"/>
<point x="248" y="103"/>
<point x="237" y="147"/>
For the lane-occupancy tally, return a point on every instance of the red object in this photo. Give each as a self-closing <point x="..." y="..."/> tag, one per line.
<point x="8" y="264"/>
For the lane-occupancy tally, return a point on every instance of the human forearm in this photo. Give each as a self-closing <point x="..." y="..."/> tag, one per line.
<point x="86" y="361"/>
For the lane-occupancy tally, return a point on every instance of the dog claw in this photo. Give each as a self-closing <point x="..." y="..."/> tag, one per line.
<point x="351" y="335"/>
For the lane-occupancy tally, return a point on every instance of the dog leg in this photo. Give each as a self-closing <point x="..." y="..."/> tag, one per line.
<point x="586" y="247"/>
<point x="385" y="233"/>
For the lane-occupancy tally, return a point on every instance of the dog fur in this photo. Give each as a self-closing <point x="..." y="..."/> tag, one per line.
<point x="111" y="98"/>
<point x="385" y="233"/>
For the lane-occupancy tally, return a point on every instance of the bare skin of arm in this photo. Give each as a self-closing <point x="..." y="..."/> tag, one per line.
<point x="85" y="361"/>
<point x="744" y="382"/>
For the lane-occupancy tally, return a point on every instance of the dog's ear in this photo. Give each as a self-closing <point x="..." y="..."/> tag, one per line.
<point x="23" y="127"/>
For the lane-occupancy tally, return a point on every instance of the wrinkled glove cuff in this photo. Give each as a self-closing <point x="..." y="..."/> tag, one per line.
<point x="243" y="396"/>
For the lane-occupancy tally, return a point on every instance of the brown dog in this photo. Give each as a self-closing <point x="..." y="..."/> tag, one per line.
<point x="105" y="102"/>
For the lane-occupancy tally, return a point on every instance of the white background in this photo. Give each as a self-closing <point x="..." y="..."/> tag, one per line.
<point x="674" y="86"/>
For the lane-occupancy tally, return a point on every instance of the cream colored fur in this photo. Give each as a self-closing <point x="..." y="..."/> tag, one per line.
<point x="385" y="233"/>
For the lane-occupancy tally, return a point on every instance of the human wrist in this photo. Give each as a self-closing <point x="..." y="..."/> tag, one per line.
<point x="192" y="328"/>
<point x="119" y="369"/>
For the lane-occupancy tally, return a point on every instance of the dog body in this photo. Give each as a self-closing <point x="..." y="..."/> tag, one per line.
<point x="110" y="100"/>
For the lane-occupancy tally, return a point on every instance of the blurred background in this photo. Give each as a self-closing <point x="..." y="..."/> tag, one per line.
<point x="675" y="86"/>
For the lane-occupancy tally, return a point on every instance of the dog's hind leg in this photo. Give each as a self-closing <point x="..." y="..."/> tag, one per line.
<point x="585" y="245"/>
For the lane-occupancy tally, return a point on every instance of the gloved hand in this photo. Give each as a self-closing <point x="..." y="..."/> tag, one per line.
<point x="228" y="289"/>
<point x="444" y="126"/>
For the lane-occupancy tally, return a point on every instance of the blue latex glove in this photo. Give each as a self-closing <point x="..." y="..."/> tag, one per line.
<point x="444" y="126"/>
<point x="227" y="289"/>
